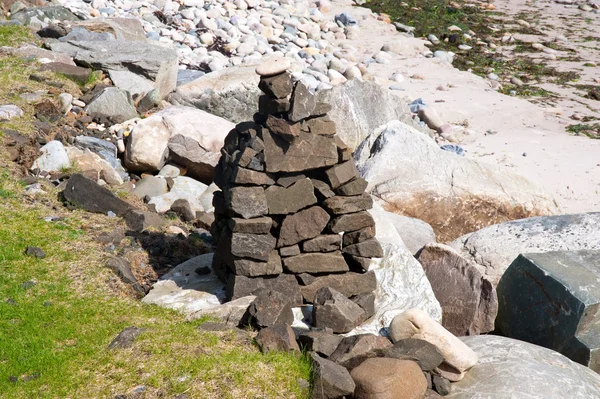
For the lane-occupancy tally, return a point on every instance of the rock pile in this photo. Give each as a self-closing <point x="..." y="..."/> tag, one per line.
<point x="292" y="210"/>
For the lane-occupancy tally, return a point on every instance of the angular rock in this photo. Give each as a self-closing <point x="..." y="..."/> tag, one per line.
<point x="155" y="63"/>
<point x="441" y="385"/>
<point x="248" y="202"/>
<point x="494" y="248"/>
<point x="268" y="105"/>
<point x="323" y="243"/>
<point x="88" y="161"/>
<point x="415" y="323"/>
<point x="333" y="310"/>
<point x="36" y="252"/>
<point x="306" y="152"/>
<point x="150" y="186"/>
<point x="260" y="225"/>
<point x="322" y="126"/>
<point x="79" y="74"/>
<point x="278" y="86"/>
<point x="339" y="205"/>
<point x="303" y="103"/>
<point x="277" y="338"/>
<point x="367" y="302"/>
<point x="270" y="308"/>
<point x="351" y="222"/>
<point x="303" y="225"/>
<point x="349" y="284"/>
<point x="138" y="220"/>
<point x="126" y="338"/>
<point x="230" y="93"/>
<point x="54" y="158"/>
<point x="182" y="208"/>
<point x="463" y="194"/>
<point x="120" y="28"/>
<point x="283" y="128"/>
<point x="251" y="268"/>
<point x="322" y="342"/>
<point x="322" y="189"/>
<point x="283" y="201"/>
<point x="254" y="246"/>
<point x="28" y="15"/>
<point x="366" y="249"/>
<point x="240" y="286"/>
<point x="353" y="187"/>
<point x="231" y="313"/>
<point x="341" y="173"/>
<point x="354" y="349"/>
<point x="292" y="250"/>
<point x="122" y="268"/>
<point x="425" y="354"/>
<point x="286" y="181"/>
<point x="382" y="378"/>
<point x="251" y="177"/>
<point x="469" y="301"/>
<point x="330" y="380"/>
<point x="354" y="237"/>
<point x="88" y="195"/>
<point x="550" y="299"/>
<point x="188" y="153"/>
<point x="505" y="361"/>
<point x="330" y="262"/>
<point x="184" y="188"/>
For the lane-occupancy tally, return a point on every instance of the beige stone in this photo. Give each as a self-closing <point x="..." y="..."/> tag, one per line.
<point x="385" y="378"/>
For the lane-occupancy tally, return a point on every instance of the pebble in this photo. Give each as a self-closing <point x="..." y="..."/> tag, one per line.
<point x="396" y="87"/>
<point x="464" y="47"/>
<point x="433" y="39"/>
<point x="516" y="81"/>
<point x="492" y="76"/>
<point x="66" y="102"/>
<point x="397" y="77"/>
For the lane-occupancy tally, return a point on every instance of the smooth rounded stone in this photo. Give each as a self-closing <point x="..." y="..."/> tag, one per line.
<point x="444" y="56"/>
<point x="433" y="39"/>
<point x="273" y="66"/>
<point x="514" y="369"/>
<point x="207" y="39"/>
<point x="464" y="47"/>
<point x="492" y="76"/>
<point x="397" y="77"/>
<point x="516" y="81"/>
<point x="382" y="57"/>
<point x="431" y="118"/>
<point x="66" y="100"/>
<point x="396" y="87"/>
<point x="385" y="378"/>
<point x="335" y="77"/>
<point x="54" y="158"/>
<point x="353" y="73"/>
<point x="415" y="323"/>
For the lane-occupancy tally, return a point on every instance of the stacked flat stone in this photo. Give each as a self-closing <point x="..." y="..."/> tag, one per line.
<point x="292" y="214"/>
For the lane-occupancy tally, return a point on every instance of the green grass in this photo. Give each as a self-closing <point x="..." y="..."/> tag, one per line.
<point x="58" y="315"/>
<point x="592" y="131"/>
<point x="14" y="35"/>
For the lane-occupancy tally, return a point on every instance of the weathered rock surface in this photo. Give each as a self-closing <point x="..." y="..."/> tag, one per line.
<point x="354" y="349"/>
<point x="333" y="310"/>
<point x="321" y="342"/>
<point x="277" y="338"/>
<point x="240" y="286"/>
<point x="330" y="380"/>
<point x="469" y="302"/>
<point x="304" y="153"/>
<point x="199" y="162"/>
<point x="494" y="248"/>
<point x="157" y="64"/>
<point x="88" y="195"/>
<point x="112" y="103"/>
<point x="349" y="284"/>
<point x="414" y="323"/>
<point x="86" y="161"/>
<point x="330" y="262"/>
<point x="425" y="354"/>
<point x="383" y="378"/>
<point x="54" y="158"/>
<point x="282" y="200"/>
<point x="270" y="308"/>
<point x="231" y="93"/>
<point x="551" y="299"/>
<point x="303" y="225"/>
<point x="147" y="147"/>
<point x="183" y="188"/>
<point x="406" y="169"/>
<point x="248" y="202"/>
<point x="514" y="369"/>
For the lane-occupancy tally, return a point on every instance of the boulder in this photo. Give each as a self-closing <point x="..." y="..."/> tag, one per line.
<point x="333" y="310"/>
<point x="183" y="188"/>
<point x="516" y="369"/>
<point x="322" y="342"/>
<point x="154" y="63"/>
<point x="150" y="140"/>
<point x="414" y="323"/>
<point x="349" y="284"/>
<point x="106" y="149"/>
<point x="407" y="169"/>
<point x="270" y="308"/>
<point x="232" y="313"/>
<point x="551" y="299"/>
<point x="415" y="233"/>
<point x="359" y="107"/>
<point x="85" y="160"/>
<point x="54" y="158"/>
<point x="120" y="28"/>
<point x="303" y="225"/>
<point x="39" y="15"/>
<point x="85" y="193"/>
<point x="494" y="248"/>
<point x="469" y="302"/>
<point x="230" y="93"/>
<point x="354" y="349"/>
<point x="240" y="286"/>
<point x="425" y="354"/>
<point x="112" y="103"/>
<point x="330" y="381"/>
<point x="186" y="291"/>
<point x="383" y="378"/>
<point x="151" y="186"/>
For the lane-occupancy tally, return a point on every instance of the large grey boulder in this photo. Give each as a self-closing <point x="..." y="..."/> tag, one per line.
<point x="156" y="64"/>
<point x="359" y="107"/>
<point x="120" y="28"/>
<point x="230" y="93"/>
<point x="494" y="248"/>
<point x="148" y="144"/>
<point x="551" y="299"/>
<point x="44" y="15"/>
<point x="455" y="195"/>
<point x="401" y="281"/>
<point x="511" y="369"/>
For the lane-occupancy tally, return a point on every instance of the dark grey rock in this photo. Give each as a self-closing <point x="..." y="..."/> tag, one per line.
<point x="122" y="269"/>
<point x="303" y="103"/>
<point x="333" y="310"/>
<point x="351" y="222"/>
<point x="261" y="225"/>
<point x="270" y="308"/>
<point x="306" y="152"/>
<point x="366" y="249"/>
<point x="283" y="201"/>
<point x="323" y="243"/>
<point x="367" y="302"/>
<point x="254" y="246"/>
<point x="303" y="225"/>
<point x="183" y="208"/>
<point x="85" y="193"/>
<point x="361" y="235"/>
<point x="241" y="286"/>
<point x="250" y="177"/>
<point x="187" y="152"/>
<point x="353" y="187"/>
<point x="341" y="204"/>
<point x="138" y="220"/>
<point x="341" y="174"/>
<point x="330" y="262"/>
<point x="278" y="86"/>
<point x="425" y="354"/>
<point x="355" y="349"/>
<point x="550" y="299"/>
<point x="322" y="342"/>
<point x="112" y="103"/>
<point x="126" y="338"/>
<point x="322" y="189"/>
<point x="252" y="268"/>
<point x="248" y="202"/>
<point x="349" y="284"/>
<point x="292" y="250"/>
<point x="36" y="252"/>
<point x="58" y="13"/>
<point x="330" y="380"/>
<point x="441" y="385"/>
<point x="277" y="338"/>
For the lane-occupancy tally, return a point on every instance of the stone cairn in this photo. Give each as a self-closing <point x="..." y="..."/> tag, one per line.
<point x="292" y="214"/>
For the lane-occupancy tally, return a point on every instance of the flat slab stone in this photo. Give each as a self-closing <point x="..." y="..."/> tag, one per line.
<point x="551" y="299"/>
<point x="351" y="222"/>
<point x="241" y="286"/>
<point x="316" y="263"/>
<point x="349" y="284"/>
<point x="514" y="369"/>
<point x="254" y="246"/>
<point x="303" y="225"/>
<point x="340" y="204"/>
<point x="306" y="152"/>
<point x="282" y="200"/>
<point x="248" y="202"/>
